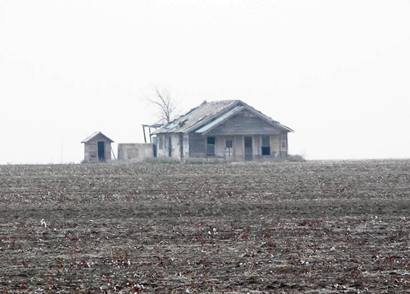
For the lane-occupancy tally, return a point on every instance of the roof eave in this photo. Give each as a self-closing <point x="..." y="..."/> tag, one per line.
<point x="286" y="128"/>
<point x="90" y="138"/>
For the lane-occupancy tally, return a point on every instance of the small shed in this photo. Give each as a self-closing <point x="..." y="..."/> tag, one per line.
<point x="97" y="148"/>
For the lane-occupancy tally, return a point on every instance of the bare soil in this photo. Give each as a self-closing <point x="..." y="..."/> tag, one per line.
<point x="314" y="227"/>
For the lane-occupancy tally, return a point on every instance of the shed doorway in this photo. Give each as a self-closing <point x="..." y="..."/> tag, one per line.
<point x="248" y="148"/>
<point x="101" y="151"/>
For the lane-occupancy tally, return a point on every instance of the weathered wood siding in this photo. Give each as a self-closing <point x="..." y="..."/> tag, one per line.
<point x="244" y="123"/>
<point x="257" y="147"/>
<point x="197" y="146"/>
<point x="185" y="147"/>
<point x="275" y="145"/>
<point x="283" y="145"/>
<point x="91" y="149"/>
<point x="163" y="146"/>
<point x="220" y="147"/>
<point x="239" y="148"/>
<point x="160" y="141"/>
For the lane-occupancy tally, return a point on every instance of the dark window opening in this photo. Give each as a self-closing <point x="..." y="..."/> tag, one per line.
<point x="266" y="146"/>
<point x="248" y="148"/>
<point x="169" y="147"/>
<point x="210" y="151"/>
<point x="229" y="144"/>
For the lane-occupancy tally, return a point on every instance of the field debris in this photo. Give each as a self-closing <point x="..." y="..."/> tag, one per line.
<point x="311" y="227"/>
<point x="43" y="223"/>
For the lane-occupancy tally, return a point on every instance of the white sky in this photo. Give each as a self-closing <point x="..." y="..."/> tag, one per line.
<point x="337" y="72"/>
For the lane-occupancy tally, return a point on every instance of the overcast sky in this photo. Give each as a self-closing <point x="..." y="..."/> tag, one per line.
<point x="337" y="72"/>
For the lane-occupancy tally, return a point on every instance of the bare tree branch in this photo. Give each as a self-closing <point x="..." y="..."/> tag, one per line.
<point x="165" y="104"/>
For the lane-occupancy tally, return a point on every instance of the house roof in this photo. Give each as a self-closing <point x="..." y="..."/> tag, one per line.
<point x="216" y="122"/>
<point x="209" y="115"/>
<point x="94" y="135"/>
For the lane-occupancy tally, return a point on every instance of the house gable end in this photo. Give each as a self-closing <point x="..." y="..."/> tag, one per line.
<point x="245" y="122"/>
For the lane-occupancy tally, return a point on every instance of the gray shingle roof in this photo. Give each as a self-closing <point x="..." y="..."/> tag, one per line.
<point x="211" y="113"/>
<point x="94" y="135"/>
<point x="197" y="116"/>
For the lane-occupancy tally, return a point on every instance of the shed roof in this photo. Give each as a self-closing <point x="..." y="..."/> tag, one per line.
<point x="94" y="135"/>
<point x="209" y="115"/>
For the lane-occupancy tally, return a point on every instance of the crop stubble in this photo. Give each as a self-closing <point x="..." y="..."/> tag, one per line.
<point x="326" y="227"/>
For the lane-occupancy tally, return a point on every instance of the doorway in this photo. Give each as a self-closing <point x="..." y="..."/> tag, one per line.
<point x="101" y="151"/>
<point x="169" y="147"/>
<point x="228" y="148"/>
<point x="248" y="148"/>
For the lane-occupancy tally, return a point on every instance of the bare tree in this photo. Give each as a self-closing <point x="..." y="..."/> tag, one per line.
<point x="165" y="104"/>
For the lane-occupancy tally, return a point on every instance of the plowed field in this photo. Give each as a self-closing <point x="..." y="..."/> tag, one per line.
<point x="318" y="227"/>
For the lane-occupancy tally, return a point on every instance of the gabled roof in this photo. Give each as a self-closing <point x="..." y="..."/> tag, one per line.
<point x="209" y="115"/>
<point x="197" y="116"/>
<point x="216" y="122"/>
<point x="94" y="135"/>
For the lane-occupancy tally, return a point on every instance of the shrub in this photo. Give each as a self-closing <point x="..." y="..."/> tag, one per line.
<point x="296" y="158"/>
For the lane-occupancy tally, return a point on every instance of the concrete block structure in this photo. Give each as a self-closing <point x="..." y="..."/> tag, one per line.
<point x="135" y="152"/>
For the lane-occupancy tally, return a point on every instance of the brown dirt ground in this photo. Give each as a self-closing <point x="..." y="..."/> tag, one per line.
<point x="314" y="227"/>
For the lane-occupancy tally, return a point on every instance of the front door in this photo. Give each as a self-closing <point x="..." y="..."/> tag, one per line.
<point x="248" y="148"/>
<point x="101" y="151"/>
<point x="169" y="147"/>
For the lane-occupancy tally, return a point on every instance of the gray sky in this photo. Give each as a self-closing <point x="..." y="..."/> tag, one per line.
<point x="337" y="72"/>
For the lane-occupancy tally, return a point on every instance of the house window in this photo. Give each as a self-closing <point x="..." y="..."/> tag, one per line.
<point x="210" y="150"/>
<point x="161" y="142"/>
<point x="229" y="143"/>
<point x="266" y="146"/>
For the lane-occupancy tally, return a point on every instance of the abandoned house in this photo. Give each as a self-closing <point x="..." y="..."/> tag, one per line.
<point x="97" y="148"/>
<point x="228" y="130"/>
